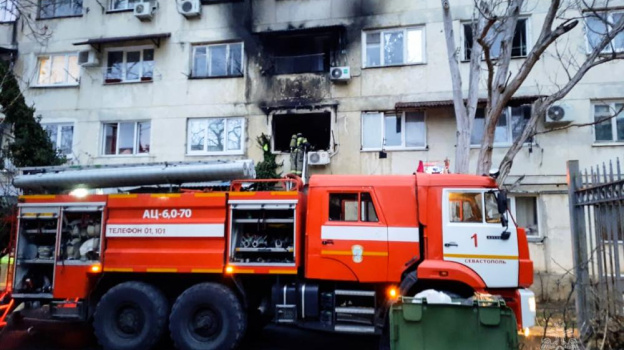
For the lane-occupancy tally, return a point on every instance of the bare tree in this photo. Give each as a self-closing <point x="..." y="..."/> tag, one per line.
<point x="493" y="27"/>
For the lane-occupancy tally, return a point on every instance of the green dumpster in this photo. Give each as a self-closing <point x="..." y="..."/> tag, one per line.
<point x="415" y="324"/>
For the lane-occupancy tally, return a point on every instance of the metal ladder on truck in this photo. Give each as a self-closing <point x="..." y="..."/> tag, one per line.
<point x="6" y="301"/>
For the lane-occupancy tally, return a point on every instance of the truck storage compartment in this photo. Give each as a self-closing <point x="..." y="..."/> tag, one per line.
<point x="415" y="324"/>
<point x="36" y="251"/>
<point x="81" y="229"/>
<point x="262" y="233"/>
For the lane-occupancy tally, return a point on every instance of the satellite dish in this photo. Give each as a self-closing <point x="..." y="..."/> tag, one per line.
<point x="556" y="113"/>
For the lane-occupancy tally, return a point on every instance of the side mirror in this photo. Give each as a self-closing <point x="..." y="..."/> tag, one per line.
<point x="501" y="200"/>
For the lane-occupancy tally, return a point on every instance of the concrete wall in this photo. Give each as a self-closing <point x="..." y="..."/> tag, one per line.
<point x="172" y="98"/>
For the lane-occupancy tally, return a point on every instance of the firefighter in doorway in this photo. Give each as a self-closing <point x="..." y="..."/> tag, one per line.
<point x="298" y="148"/>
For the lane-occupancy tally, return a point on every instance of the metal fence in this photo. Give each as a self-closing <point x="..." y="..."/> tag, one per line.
<point x="596" y="198"/>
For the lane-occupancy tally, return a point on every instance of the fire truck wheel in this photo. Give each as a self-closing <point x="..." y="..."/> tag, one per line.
<point x="131" y="315"/>
<point x="207" y="316"/>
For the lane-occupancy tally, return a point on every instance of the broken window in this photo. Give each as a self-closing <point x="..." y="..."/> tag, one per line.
<point x="304" y="51"/>
<point x="126" y="138"/>
<point x="316" y="127"/>
<point x="519" y="46"/>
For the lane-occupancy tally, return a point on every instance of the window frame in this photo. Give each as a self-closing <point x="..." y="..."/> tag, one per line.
<point x="125" y="50"/>
<point x="8" y="12"/>
<point x="68" y="77"/>
<point x="513" y="206"/>
<point x="58" y="142"/>
<point x="110" y="8"/>
<point x="510" y="140"/>
<point x="529" y="41"/>
<point x="358" y="193"/>
<point x="205" y="151"/>
<point x="614" y="132"/>
<point x="381" y="32"/>
<point x="607" y="49"/>
<point x="383" y="133"/>
<point x="40" y="7"/>
<point x="228" y="44"/>
<point x="135" y="143"/>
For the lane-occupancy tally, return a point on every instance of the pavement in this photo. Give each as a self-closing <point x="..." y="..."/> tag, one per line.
<point x="272" y="338"/>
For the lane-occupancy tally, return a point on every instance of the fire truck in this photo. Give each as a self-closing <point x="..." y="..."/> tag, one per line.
<point x="204" y="266"/>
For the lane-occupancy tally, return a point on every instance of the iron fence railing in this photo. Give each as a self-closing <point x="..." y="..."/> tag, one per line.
<point x="596" y="197"/>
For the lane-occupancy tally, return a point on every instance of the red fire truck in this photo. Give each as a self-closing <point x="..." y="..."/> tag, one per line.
<point x="209" y="266"/>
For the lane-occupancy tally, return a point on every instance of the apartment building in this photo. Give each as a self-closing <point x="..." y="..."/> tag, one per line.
<point x="116" y="81"/>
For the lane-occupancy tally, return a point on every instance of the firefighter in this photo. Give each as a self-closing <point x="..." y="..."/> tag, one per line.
<point x="298" y="147"/>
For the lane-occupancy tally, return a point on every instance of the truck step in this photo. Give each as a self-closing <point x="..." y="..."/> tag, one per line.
<point x="359" y="293"/>
<point x="355" y="310"/>
<point x="354" y="329"/>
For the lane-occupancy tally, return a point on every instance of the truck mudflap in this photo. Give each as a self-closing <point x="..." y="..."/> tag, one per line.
<point x="527" y="308"/>
<point x="6" y="306"/>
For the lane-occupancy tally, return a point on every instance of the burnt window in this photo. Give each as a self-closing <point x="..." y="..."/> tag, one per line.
<point x="519" y="46"/>
<point x="308" y="51"/>
<point x="316" y="127"/>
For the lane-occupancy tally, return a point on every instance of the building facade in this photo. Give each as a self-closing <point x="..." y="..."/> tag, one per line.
<point x="190" y="81"/>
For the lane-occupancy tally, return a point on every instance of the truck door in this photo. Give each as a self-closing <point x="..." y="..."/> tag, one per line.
<point x="353" y="242"/>
<point x="473" y="236"/>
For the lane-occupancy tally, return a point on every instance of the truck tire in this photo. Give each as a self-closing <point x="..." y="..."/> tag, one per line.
<point x="131" y="315"/>
<point x="207" y="316"/>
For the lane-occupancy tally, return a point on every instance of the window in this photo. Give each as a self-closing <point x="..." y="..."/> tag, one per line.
<point x="391" y="47"/>
<point x="58" y="69"/>
<point x="316" y="127"/>
<point x="215" y="135"/>
<point x="129" y="65"/>
<point x="8" y="11"/>
<point x="344" y="207"/>
<point x="610" y="122"/>
<point x="519" y="46"/>
<point x="510" y="125"/>
<point x="525" y="213"/>
<point x="393" y="131"/>
<point x="60" y="8"/>
<point x="304" y="50"/>
<point x="61" y="136"/>
<point x="125" y="138"/>
<point x="220" y="60"/>
<point x="122" y="5"/>
<point x="465" y="207"/>
<point x="597" y="25"/>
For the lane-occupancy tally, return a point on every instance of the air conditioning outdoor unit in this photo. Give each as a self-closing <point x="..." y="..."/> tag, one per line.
<point x="559" y="114"/>
<point x="340" y="73"/>
<point x="144" y="10"/>
<point x="189" y="8"/>
<point x="318" y="158"/>
<point x="88" y="58"/>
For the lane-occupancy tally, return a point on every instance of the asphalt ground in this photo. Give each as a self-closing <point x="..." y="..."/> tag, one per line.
<point x="69" y="337"/>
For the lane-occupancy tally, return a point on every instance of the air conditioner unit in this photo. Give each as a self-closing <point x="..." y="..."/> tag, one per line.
<point x="189" y="8"/>
<point x="340" y="73"/>
<point x="145" y="10"/>
<point x="318" y="158"/>
<point x="88" y="58"/>
<point x="559" y="114"/>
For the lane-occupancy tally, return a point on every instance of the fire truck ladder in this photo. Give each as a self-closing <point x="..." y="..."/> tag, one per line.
<point x="6" y="301"/>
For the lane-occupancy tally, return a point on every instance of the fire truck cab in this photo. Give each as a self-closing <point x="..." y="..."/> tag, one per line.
<point x="331" y="256"/>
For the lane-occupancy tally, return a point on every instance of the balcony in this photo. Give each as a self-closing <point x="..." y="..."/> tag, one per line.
<point x="296" y="64"/>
